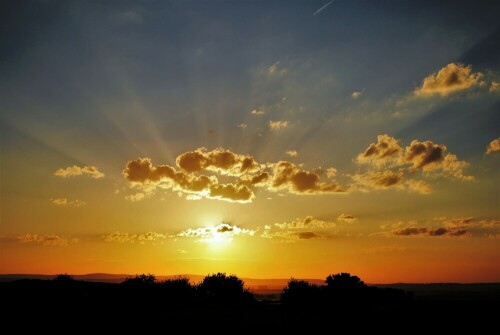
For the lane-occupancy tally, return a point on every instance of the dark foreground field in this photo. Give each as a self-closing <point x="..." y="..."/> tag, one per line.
<point x="221" y="303"/>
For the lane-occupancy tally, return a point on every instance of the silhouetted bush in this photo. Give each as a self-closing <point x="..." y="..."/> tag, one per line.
<point x="222" y="289"/>
<point x="300" y="293"/>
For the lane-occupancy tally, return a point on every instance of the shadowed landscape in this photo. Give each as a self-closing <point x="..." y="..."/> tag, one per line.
<point x="144" y="301"/>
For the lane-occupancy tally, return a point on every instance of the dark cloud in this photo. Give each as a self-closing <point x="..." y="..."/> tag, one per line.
<point x="307" y="235"/>
<point x="430" y="232"/>
<point x="384" y="151"/>
<point x="287" y="175"/>
<point x="220" y="160"/>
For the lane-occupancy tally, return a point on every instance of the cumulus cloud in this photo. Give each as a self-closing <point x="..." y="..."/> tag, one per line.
<point x="231" y="192"/>
<point x="287" y="175"/>
<point x="493" y="146"/>
<point x="75" y="170"/>
<point x="291" y="153"/>
<point x="46" y="240"/>
<point x="386" y="150"/>
<point x="277" y="125"/>
<point x="257" y="112"/>
<point x="284" y="175"/>
<point x="424" y="156"/>
<point x="451" y="78"/>
<point x="219" y="160"/>
<point x="223" y="232"/>
<point x="66" y="202"/>
<point x="133" y="238"/>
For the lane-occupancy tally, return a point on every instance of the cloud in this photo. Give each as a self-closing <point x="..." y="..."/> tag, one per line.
<point x="46" y="240"/>
<point x="287" y="175"/>
<point x="494" y="87"/>
<point x="305" y="228"/>
<point x="231" y="192"/>
<point x="133" y="238"/>
<point x="277" y="125"/>
<point x="219" y="160"/>
<point x="347" y="218"/>
<point x="386" y="150"/>
<point x="291" y="153"/>
<point x="377" y="180"/>
<point x="307" y="235"/>
<point x="356" y="94"/>
<point x="418" y="186"/>
<point x="74" y="170"/>
<point x="223" y="232"/>
<point x="257" y="112"/>
<point x="451" y="78"/>
<point x="135" y="197"/>
<point x="493" y="146"/>
<point x="276" y="70"/>
<point x="430" y="232"/>
<point x="142" y="171"/>
<point x="308" y="222"/>
<point x="241" y="125"/>
<point x="66" y="202"/>
<point x="331" y="173"/>
<point x="284" y="175"/>
<point x="423" y="156"/>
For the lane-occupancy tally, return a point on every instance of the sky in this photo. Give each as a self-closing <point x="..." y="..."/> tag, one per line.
<point x="266" y="139"/>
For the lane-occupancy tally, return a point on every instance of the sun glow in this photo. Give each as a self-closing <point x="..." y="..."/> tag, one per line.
<point x="220" y="234"/>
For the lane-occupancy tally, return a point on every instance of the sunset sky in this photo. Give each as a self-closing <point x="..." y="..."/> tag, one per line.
<point x="266" y="139"/>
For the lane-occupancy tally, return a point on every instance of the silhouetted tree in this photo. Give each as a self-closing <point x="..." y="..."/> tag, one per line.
<point x="300" y="293"/>
<point x="140" y="281"/>
<point x="222" y="289"/>
<point x="344" y="281"/>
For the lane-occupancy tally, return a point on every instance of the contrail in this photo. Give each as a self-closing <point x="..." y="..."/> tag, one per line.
<point x="324" y="6"/>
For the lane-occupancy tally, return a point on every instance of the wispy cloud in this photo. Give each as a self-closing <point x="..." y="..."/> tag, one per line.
<point x="223" y="232"/>
<point x="75" y="170"/>
<point x="277" y="125"/>
<point x="66" y="202"/>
